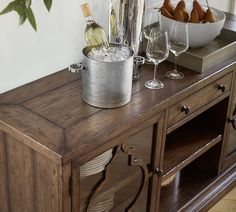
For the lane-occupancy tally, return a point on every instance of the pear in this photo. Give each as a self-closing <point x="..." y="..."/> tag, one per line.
<point x="179" y="16"/>
<point x="166" y="13"/>
<point x="194" y="16"/>
<point x="169" y="7"/>
<point x="199" y="9"/>
<point x="186" y="15"/>
<point x="209" y="16"/>
<point x="181" y="6"/>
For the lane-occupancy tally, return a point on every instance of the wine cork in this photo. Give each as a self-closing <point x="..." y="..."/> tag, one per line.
<point x="86" y="10"/>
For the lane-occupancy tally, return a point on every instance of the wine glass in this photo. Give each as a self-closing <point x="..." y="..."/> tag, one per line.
<point x="151" y="19"/>
<point x="178" y="43"/>
<point x="157" y="51"/>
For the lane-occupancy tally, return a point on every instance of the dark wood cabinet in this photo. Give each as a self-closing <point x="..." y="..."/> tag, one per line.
<point x="191" y="157"/>
<point x="167" y="150"/>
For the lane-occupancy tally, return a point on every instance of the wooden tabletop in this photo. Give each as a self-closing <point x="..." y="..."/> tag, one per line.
<point x="49" y="115"/>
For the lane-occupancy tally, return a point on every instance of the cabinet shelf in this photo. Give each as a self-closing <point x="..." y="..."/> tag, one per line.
<point x="188" y="183"/>
<point x="186" y="144"/>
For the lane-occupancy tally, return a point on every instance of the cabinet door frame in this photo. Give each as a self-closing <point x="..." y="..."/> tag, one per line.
<point x="157" y="122"/>
<point x="229" y="159"/>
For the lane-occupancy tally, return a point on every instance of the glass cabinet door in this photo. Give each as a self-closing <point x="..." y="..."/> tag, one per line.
<point x="123" y="182"/>
<point x="121" y="178"/>
<point x="230" y="137"/>
<point x="231" y="146"/>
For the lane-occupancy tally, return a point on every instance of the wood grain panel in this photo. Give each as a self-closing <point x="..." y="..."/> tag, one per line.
<point x="4" y="205"/>
<point x="231" y="146"/>
<point x="20" y="176"/>
<point x="229" y="139"/>
<point x="143" y="104"/>
<point x="119" y="139"/>
<point x="46" y="185"/>
<point x="62" y="105"/>
<point x="37" y="87"/>
<point x="65" y="101"/>
<point x="65" y="188"/>
<point x="198" y="99"/>
<point x="105" y="125"/>
<point x="32" y="130"/>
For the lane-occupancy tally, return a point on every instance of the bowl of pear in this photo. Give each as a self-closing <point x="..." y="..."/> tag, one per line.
<point x="204" y="22"/>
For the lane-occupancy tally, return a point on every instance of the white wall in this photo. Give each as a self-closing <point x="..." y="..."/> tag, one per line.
<point x="26" y="55"/>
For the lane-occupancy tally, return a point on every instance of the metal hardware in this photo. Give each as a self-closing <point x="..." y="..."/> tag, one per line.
<point x="221" y="87"/>
<point x="185" y="109"/>
<point x="159" y="172"/>
<point x="233" y="122"/>
<point x="233" y="119"/>
<point x="76" y="68"/>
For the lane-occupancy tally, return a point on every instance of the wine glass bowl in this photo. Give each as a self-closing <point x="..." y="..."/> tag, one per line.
<point x="178" y="43"/>
<point x="151" y="18"/>
<point x="178" y="47"/>
<point x="157" y="51"/>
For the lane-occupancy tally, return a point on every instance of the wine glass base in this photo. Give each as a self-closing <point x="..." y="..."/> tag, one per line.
<point x="174" y="75"/>
<point x="151" y="84"/>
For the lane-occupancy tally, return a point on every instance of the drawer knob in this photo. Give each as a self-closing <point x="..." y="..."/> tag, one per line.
<point x="159" y="172"/>
<point x="221" y="88"/>
<point x="185" y="109"/>
<point x="233" y="121"/>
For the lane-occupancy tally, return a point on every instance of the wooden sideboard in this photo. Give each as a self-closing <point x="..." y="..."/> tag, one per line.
<point x="173" y="149"/>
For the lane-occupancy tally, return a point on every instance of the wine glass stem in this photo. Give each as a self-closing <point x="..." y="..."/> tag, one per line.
<point x="155" y="70"/>
<point x="175" y="66"/>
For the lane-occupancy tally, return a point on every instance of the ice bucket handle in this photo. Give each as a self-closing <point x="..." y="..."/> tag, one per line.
<point x="76" y="68"/>
<point x="139" y="60"/>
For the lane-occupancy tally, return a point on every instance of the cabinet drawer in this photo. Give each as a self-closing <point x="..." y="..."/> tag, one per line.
<point x="197" y="100"/>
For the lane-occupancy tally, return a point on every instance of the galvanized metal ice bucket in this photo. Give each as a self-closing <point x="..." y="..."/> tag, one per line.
<point x="106" y="84"/>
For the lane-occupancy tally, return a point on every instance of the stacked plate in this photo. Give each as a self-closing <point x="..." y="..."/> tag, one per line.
<point x="169" y="180"/>
<point x="96" y="165"/>
<point x="104" y="205"/>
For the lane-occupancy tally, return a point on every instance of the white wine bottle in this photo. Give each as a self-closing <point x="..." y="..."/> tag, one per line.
<point x="94" y="33"/>
<point x="113" y="23"/>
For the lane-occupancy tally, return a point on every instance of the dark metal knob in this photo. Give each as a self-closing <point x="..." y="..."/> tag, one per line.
<point x="185" y="109"/>
<point x="159" y="172"/>
<point x="221" y="88"/>
<point x="233" y="121"/>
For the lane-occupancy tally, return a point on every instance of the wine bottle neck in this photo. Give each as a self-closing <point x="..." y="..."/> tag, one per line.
<point x="87" y="13"/>
<point x="89" y="19"/>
